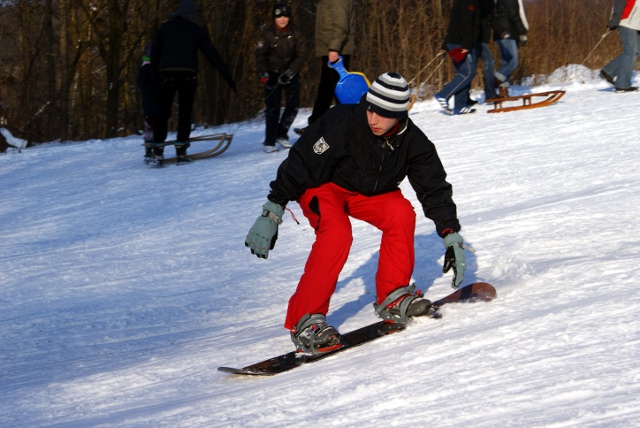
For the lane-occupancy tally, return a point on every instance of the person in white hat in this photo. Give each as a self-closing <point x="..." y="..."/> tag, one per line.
<point x="350" y="163"/>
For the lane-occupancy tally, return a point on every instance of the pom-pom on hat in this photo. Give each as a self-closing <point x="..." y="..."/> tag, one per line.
<point x="389" y="96"/>
<point x="281" y="10"/>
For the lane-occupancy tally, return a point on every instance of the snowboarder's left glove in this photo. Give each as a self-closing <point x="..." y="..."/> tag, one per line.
<point x="264" y="233"/>
<point x="285" y="78"/>
<point x="455" y="258"/>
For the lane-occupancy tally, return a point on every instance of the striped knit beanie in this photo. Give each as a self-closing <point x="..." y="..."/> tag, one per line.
<point x="389" y="96"/>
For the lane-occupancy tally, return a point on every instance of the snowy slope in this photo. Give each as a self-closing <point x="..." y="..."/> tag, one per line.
<point x="123" y="288"/>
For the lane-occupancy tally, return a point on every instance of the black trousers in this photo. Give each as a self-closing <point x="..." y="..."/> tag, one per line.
<point x="185" y="84"/>
<point x="278" y="125"/>
<point x="326" y="89"/>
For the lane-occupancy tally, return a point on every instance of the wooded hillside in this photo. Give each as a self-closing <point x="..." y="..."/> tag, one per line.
<point x="68" y="67"/>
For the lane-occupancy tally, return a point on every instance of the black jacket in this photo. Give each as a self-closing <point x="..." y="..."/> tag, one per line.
<point x="509" y="21"/>
<point x="279" y="51"/>
<point x="176" y="45"/>
<point x="340" y="148"/>
<point x="464" y="24"/>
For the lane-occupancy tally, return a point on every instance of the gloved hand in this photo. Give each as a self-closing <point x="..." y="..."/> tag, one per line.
<point x="264" y="78"/>
<point x="458" y="54"/>
<point x="612" y="27"/>
<point x="455" y="258"/>
<point x="285" y="78"/>
<point x="523" y="40"/>
<point x="264" y="233"/>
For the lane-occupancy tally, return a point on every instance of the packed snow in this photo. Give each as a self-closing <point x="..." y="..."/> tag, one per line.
<point x="124" y="288"/>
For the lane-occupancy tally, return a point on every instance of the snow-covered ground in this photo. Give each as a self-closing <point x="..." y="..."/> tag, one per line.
<point x="123" y="288"/>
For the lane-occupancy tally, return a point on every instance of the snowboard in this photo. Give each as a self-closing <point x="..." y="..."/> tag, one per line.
<point x="476" y="292"/>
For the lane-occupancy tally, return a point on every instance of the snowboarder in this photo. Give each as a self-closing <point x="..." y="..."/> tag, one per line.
<point x="510" y="32"/>
<point x="279" y="56"/>
<point x="174" y="57"/>
<point x="625" y="17"/>
<point x="349" y="163"/>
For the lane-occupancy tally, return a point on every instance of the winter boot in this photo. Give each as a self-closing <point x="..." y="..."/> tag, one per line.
<point x="402" y="304"/>
<point x="181" y="153"/>
<point x="312" y="335"/>
<point x="158" y="157"/>
<point x="148" y="155"/>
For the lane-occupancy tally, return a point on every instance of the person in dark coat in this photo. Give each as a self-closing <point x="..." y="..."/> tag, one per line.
<point x="279" y="56"/>
<point x="510" y="32"/>
<point x="350" y="163"/>
<point x="174" y="57"/>
<point x="148" y="90"/>
<point x="462" y="44"/>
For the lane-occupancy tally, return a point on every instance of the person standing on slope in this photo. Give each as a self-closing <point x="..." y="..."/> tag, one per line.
<point x="349" y="163"/>
<point x="279" y="56"/>
<point x="174" y="57"/>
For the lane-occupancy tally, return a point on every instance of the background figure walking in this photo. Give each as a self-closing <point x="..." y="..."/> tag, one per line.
<point x="462" y="44"/>
<point x="174" y="56"/>
<point x="279" y="56"/>
<point x="510" y="31"/>
<point x="333" y="38"/>
<point x="625" y="17"/>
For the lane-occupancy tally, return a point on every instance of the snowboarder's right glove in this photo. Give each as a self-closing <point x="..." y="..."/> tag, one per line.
<point x="455" y="258"/>
<point x="264" y="233"/>
<point x="285" y="78"/>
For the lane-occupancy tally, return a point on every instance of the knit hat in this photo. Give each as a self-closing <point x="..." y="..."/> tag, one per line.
<point x="281" y="10"/>
<point x="389" y="96"/>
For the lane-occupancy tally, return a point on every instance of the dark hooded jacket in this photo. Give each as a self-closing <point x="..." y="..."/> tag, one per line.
<point x="510" y="21"/>
<point x="340" y="148"/>
<point x="176" y="45"/>
<point x="464" y="24"/>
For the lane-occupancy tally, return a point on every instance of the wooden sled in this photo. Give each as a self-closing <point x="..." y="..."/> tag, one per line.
<point x="527" y="103"/>
<point x="223" y="143"/>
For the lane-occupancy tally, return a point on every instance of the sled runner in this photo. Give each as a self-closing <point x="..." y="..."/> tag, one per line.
<point x="222" y="143"/>
<point x="527" y="103"/>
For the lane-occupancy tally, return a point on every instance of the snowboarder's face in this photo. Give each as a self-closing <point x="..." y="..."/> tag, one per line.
<point x="380" y="125"/>
<point x="282" y="22"/>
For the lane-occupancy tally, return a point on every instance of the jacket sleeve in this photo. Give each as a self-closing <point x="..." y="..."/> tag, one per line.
<point x="299" y="54"/>
<point x="429" y="180"/>
<point x="340" y="24"/>
<point x="616" y="13"/>
<point x="212" y="55"/>
<point x="262" y="53"/>
<point x="517" y="18"/>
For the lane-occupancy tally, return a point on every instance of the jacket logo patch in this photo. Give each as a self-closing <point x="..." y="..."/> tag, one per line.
<point x="320" y="146"/>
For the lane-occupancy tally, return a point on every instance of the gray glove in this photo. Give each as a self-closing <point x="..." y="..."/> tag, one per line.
<point x="455" y="258"/>
<point x="264" y="233"/>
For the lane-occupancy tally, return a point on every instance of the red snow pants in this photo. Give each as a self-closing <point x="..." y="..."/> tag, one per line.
<point x="328" y="208"/>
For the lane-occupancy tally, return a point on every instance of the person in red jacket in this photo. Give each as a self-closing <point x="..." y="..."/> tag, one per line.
<point x="350" y="163"/>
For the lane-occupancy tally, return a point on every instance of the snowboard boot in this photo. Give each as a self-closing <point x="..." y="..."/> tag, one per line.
<point x="312" y="335"/>
<point x="402" y="304"/>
